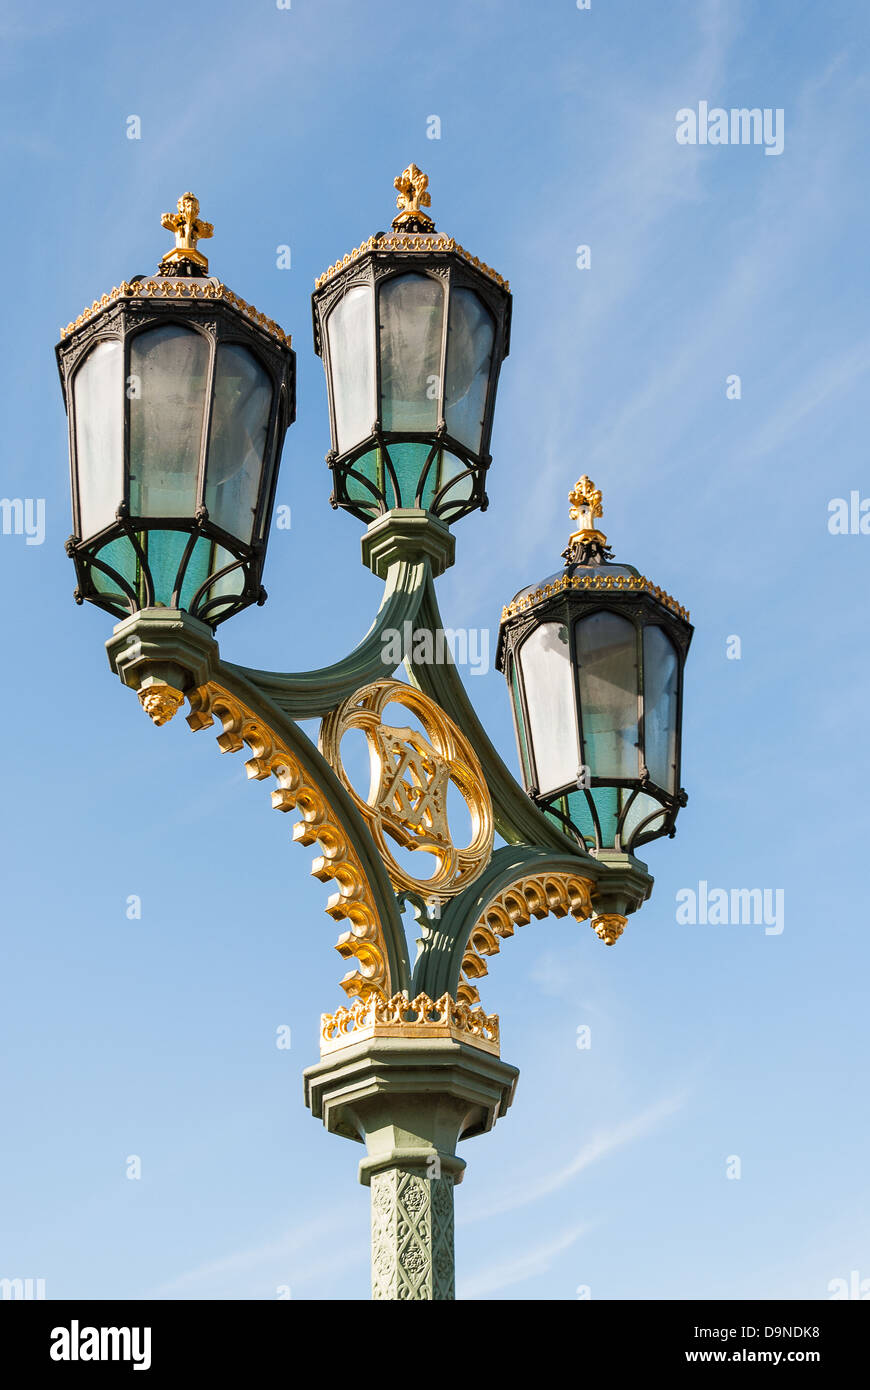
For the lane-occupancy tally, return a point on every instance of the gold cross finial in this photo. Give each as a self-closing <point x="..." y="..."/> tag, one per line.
<point x="587" y="544"/>
<point x="412" y="185"/>
<point x="585" y="499"/>
<point x="188" y="229"/>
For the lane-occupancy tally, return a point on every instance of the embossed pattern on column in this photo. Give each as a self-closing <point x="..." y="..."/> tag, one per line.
<point x="412" y="1236"/>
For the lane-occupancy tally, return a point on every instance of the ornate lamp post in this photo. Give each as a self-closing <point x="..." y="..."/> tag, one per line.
<point x="172" y="493"/>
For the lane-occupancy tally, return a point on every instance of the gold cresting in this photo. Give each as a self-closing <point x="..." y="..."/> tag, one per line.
<point x="538" y="895"/>
<point x="177" y="288"/>
<point x="413" y="189"/>
<point x="407" y="241"/>
<point x="320" y="823"/>
<point x="585" y="499"/>
<point x="410" y="776"/>
<point x="414" y="1019"/>
<point x="635" y="582"/>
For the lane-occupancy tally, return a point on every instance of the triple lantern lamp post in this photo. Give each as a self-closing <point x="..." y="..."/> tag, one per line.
<point x="179" y="395"/>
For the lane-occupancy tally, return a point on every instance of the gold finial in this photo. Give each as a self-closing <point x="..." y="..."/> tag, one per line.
<point x="188" y="229"/>
<point x="412" y="185"/>
<point x="587" y="544"/>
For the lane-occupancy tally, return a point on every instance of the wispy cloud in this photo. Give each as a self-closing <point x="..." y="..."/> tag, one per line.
<point x="598" y="1147"/>
<point x="505" y="1273"/>
<point x="287" y="1260"/>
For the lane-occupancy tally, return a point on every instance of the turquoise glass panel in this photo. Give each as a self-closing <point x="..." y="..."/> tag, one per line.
<point x="122" y="557"/>
<point x="370" y="467"/>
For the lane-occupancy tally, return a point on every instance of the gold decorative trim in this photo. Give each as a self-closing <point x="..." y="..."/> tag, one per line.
<point x="178" y="288"/>
<point x="414" y="1019"/>
<point x="160" y="701"/>
<point x="619" y="582"/>
<point x="409" y="241"/>
<point x="410" y="776"/>
<point x="354" y="901"/>
<point x="538" y="895"/>
<point x="608" y="926"/>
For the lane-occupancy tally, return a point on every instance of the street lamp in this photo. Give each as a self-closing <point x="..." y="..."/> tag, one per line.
<point x="179" y="395"/>
<point x="593" y="658"/>
<point x="413" y="331"/>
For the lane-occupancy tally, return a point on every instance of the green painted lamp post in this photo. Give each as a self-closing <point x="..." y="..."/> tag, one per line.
<point x="179" y="394"/>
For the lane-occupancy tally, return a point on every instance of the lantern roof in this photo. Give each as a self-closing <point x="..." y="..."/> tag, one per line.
<point x="182" y="275"/>
<point x="588" y="563"/>
<point x="413" y="230"/>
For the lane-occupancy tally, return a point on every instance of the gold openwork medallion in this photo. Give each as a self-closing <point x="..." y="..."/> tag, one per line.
<point x="410" y="776"/>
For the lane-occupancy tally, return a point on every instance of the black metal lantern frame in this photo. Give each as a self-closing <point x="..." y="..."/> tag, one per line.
<point x="141" y="305"/>
<point x="386" y="258"/>
<point x="566" y="607"/>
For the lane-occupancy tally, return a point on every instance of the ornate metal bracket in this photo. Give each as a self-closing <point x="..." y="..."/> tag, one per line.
<point x="166" y="655"/>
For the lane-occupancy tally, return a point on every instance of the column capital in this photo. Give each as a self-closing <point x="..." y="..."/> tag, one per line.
<point x="409" y="1100"/>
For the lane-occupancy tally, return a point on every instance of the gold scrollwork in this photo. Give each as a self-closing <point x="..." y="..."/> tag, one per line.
<point x="538" y="895"/>
<point x="296" y="790"/>
<point x="410" y="775"/>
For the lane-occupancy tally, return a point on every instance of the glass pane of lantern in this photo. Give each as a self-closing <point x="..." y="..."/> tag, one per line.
<point x="660" y="684"/>
<point x="369" y="466"/>
<point x="470" y="336"/>
<point x="457" y="493"/>
<point x="519" y="725"/>
<point x="545" y="662"/>
<point x="350" y="332"/>
<point x="239" y="424"/>
<point x="410" y="312"/>
<point x="409" y="460"/>
<point x="120" y="556"/>
<point x="99" y="425"/>
<point x="169" y="367"/>
<point x="607" y="659"/>
<point x="641" y="807"/>
<point x="165" y="551"/>
<point x="230" y="585"/>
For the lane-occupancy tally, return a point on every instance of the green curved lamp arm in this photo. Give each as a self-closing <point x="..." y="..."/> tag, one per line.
<point x="446" y="939"/>
<point x="340" y="800"/>
<point x="163" y="649"/>
<point x="307" y="694"/>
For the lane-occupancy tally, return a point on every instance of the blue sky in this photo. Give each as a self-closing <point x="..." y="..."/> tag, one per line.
<point x="156" y="1037"/>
